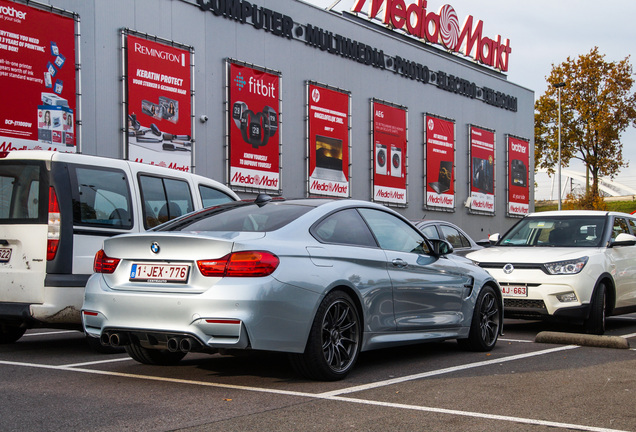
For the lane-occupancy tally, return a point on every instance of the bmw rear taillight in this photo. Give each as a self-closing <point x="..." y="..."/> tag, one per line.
<point x="240" y="264"/>
<point x="53" y="234"/>
<point x="103" y="263"/>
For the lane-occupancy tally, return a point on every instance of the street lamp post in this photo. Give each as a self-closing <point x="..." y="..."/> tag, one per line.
<point x="558" y="86"/>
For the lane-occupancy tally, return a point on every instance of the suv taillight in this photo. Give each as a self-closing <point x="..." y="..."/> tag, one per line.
<point x="103" y="263"/>
<point x="53" y="234"/>
<point x="240" y="264"/>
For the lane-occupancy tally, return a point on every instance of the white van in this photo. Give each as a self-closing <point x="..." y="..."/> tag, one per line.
<point x="55" y="211"/>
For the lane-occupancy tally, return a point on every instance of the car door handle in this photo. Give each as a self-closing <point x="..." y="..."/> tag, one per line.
<point x="399" y="262"/>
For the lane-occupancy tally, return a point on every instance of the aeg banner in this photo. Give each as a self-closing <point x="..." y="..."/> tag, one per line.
<point x="159" y="99"/>
<point x="328" y="113"/>
<point x="440" y="162"/>
<point x="37" y="77"/>
<point x="482" y="170"/>
<point x="518" y="184"/>
<point x="389" y="153"/>
<point x="254" y="140"/>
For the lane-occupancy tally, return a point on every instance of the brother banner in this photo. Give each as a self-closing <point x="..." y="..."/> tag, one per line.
<point x="159" y="116"/>
<point x="328" y="114"/>
<point x="440" y="162"/>
<point x="37" y="77"/>
<point x="253" y="126"/>
<point x="389" y="153"/>
<point x="482" y="170"/>
<point x="518" y="182"/>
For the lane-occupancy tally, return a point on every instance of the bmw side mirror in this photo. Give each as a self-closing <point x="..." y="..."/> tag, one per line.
<point x="441" y="247"/>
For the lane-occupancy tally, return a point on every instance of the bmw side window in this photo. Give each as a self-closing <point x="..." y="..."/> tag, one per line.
<point x="620" y="226"/>
<point x="344" y="227"/>
<point x="101" y="198"/>
<point x="393" y="233"/>
<point x="211" y="196"/>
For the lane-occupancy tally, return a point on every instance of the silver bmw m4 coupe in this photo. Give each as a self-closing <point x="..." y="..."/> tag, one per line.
<point x="319" y="279"/>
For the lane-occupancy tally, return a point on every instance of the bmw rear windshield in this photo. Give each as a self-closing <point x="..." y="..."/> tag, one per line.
<point x="239" y="217"/>
<point x="557" y="231"/>
<point x="23" y="192"/>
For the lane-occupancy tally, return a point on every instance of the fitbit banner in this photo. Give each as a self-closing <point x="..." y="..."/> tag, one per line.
<point x="159" y="97"/>
<point x="518" y="184"/>
<point x="328" y="141"/>
<point x="254" y="141"/>
<point x="482" y="170"/>
<point x="440" y="162"/>
<point x="37" y="77"/>
<point x="389" y="153"/>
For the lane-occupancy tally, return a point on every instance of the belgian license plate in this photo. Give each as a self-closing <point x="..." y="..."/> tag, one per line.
<point x="5" y="254"/>
<point x="159" y="272"/>
<point x="514" y="290"/>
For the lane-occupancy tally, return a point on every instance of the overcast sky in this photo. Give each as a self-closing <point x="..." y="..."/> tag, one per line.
<point x="543" y="33"/>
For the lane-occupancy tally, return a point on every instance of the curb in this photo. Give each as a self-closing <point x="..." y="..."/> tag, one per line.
<point x="582" y="339"/>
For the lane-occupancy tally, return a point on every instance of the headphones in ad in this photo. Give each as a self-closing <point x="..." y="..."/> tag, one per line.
<point x="256" y="128"/>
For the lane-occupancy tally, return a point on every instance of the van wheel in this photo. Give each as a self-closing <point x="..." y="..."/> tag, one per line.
<point x="153" y="356"/>
<point x="595" y="323"/>
<point x="9" y="333"/>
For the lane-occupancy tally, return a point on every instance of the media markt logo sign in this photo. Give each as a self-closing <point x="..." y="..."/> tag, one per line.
<point x="440" y="28"/>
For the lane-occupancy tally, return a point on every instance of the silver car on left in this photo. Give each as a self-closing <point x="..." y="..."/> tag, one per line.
<point x="320" y="279"/>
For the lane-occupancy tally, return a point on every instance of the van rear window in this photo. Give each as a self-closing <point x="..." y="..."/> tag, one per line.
<point x="101" y="197"/>
<point x="23" y="192"/>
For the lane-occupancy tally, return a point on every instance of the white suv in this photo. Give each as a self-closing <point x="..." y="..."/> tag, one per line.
<point x="572" y="265"/>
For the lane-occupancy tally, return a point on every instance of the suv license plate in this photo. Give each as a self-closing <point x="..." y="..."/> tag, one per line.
<point x="159" y="272"/>
<point x="5" y="254"/>
<point x="514" y="290"/>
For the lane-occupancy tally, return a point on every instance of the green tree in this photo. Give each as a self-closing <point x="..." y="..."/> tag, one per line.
<point x="597" y="105"/>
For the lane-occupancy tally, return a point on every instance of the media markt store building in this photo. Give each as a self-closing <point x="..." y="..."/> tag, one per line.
<point x="388" y="101"/>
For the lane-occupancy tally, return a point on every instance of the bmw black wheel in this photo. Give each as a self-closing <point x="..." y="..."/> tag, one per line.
<point x="486" y="322"/>
<point x="334" y="340"/>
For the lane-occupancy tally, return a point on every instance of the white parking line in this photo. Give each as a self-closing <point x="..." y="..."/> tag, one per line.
<point x="444" y="371"/>
<point x="334" y="396"/>
<point x="515" y="340"/>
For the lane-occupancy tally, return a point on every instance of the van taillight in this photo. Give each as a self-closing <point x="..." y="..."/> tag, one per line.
<point x="240" y="264"/>
<point x="53" y="235"/>
<point x="103" y="263"/>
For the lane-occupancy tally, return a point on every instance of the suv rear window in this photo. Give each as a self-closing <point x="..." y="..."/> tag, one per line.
<point x="23" y="192"/>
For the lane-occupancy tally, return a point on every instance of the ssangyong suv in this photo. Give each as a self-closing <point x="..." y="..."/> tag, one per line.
<point x="575" y="265"/>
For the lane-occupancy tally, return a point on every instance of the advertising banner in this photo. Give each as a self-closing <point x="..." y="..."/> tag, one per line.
<point x="482" y="170"/>
<point x="389" y="153"/>
<point x="159" y="130"/>
<point x="254" y="149"/>
<point x="37" y="77"/>
<point x="518" y="182"/>
<point x="328" y="141"/>
<point x="440" y="162"/>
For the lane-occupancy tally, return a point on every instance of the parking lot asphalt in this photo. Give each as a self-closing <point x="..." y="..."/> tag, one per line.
<point x="52" y="380"/>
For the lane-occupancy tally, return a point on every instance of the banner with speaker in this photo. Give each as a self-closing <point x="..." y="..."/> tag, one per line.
<point x="389" y="141"/>
<point x="439" y="163"/>
<point x="482" y="170"/>
<point x="518" y="151"/>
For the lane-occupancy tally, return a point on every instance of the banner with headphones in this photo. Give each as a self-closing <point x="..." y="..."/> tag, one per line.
<point x="159" y="95"/>
<point x="518" y="183"/>
<point x="389" y="153"/>
<point x="482" y="170"/>
<point x="254" y="143"/>
<point x="439" y="162"/>
<point x="328" y="115"/>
